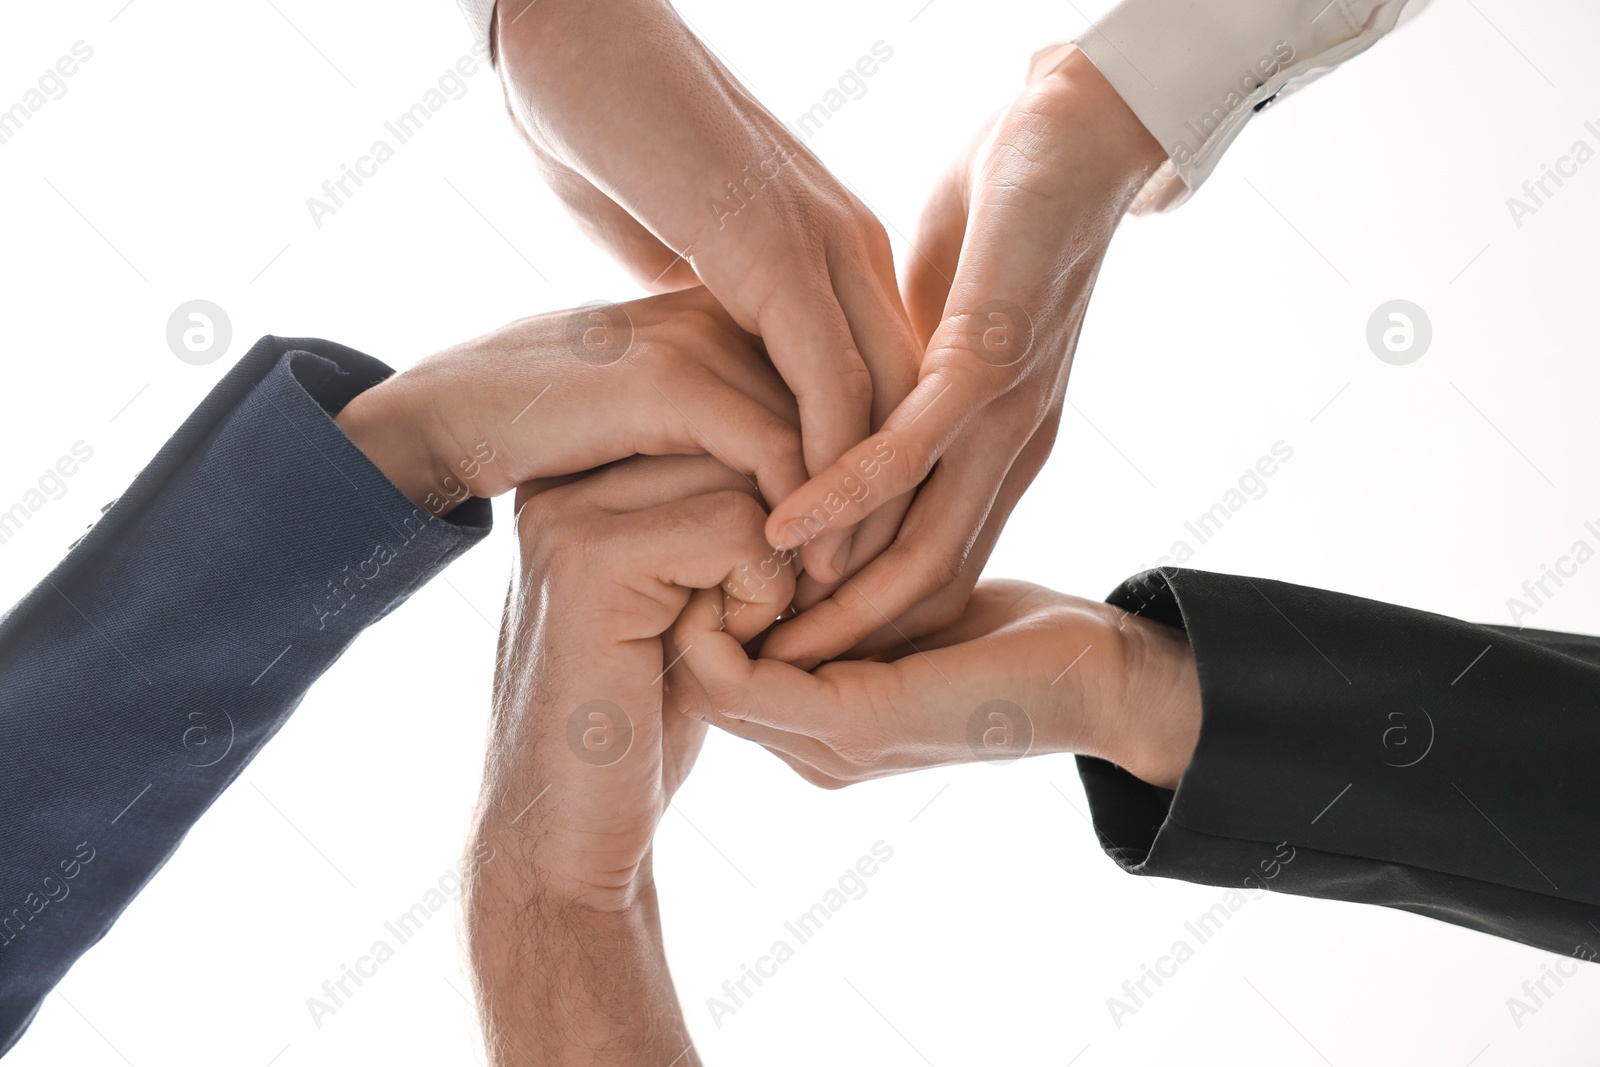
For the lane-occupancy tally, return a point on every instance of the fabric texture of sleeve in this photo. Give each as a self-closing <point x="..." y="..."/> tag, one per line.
<point x="142" y="675"/>
<point x="1361" y="751"/>
<point x="480" y="17"/>
<point x="1196" y="71"/>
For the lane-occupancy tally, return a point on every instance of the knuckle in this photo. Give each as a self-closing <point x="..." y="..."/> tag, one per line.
<point x="937" y="568"/>
<point x="729" y="699"/>
<point x="857" y="756"/>
<point x="576" y="551"/>
<point x="870" y="235"/>
<point x="849" y="382"/>
<point x="735" y="509"/>
<point x="779" y="437"/>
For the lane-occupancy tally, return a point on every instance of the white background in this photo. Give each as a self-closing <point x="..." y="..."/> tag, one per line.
<point x="191" y="141"/>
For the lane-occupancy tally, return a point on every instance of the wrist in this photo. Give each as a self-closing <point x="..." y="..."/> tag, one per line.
<point x="403" y="439"/>
<point x="1155" y="725"/>
<point x="559" y="983"/>
<point x="551" y="867"/>
<point x="523" y="885"/>
<point x="1079" y="103"/>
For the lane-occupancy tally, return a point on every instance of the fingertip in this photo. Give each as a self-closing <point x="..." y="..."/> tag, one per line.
<point x="787" y="534"/>
<point x="826" y="557"/>
<point x="780" y="645"/>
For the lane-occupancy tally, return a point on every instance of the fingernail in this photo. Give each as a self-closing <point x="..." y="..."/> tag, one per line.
<point x="791" y="535"/>
<point x="841" y="559"/>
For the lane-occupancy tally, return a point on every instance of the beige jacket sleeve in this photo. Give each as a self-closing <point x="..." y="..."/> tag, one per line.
<point x="1196" y="71"/>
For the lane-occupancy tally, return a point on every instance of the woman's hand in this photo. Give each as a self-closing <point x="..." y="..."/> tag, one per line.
<point x="569" y="391"/>
<point x="1010" y="245"/>
<point x="1025" y="671"/>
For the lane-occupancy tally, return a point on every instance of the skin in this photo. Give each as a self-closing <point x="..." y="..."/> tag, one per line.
<point x="1084" y="678"/>
<point x="634" y="587"/>
<point x="641" y="585"/>
<point x="669" y="164"/>
<point x="1025" y="217"/>
<point x="459" y="424"/>
<point x="563" y="924"/>
<point x="563" y="928"/>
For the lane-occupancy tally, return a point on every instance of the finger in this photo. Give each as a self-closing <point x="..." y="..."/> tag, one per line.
<point x="897" y="458"/>
<point x="982" y="347"/>
<point x="785" y="746"/>
<point x="708" y="541"/>
<point x="729" y="684"/>
<point x="682" y="736"/>
<point x="930" y="270"/>
<point x="933" y="551"/>
<point x="931" y="617"/>
<point x="810" y="343"/>
<point x="689" y="698"/>
<point x="875" y="534"/>
<point x="585" y="532"/>
<point x="729" y="689"/>
<point x="639" y="483"/>
<point x="806" y="756"/>
<point x="726" y="670"/>
<point x="867" y="293"/>
<point x="863" y="279"/>
<point x="703" y="413"/>
<point x="740" y="358"/>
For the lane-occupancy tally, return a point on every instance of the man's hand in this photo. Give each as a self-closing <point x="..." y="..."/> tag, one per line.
<point x="1024" y="672"/>
<point x="563" y="927"/>
<point x="1010" y="246"/>
<point x="573" y="390"/>
<point x="670" y="164"/>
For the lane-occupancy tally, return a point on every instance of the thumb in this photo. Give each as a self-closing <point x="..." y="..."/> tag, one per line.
<point x="931" y="267"/>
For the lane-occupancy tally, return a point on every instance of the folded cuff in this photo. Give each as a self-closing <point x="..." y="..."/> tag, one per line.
<point x="1394" y="756"/>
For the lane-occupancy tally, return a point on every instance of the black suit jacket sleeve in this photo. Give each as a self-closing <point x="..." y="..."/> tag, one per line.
<point x="1356" y="750"/>
<point x="141" y="676"/>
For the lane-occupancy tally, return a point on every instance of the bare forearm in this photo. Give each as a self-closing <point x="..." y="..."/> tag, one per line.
<point x="564" y="983"/>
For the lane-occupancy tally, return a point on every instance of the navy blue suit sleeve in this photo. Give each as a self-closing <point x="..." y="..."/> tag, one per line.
<point x="1361" y="751"/>
<point x="142" y="675"/>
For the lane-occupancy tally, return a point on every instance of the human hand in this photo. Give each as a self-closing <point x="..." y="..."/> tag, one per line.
<point x="573" y="390"/>
<point x="1010" y="245"/>
<point x="563" y="926"/>
<point x="608" y="562"/>
<point x="669" y="163"/>
<point x="1024" y="671"/>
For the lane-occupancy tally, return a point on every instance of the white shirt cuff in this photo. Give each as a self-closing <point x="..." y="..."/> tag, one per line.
<point x="1196" y="71"/>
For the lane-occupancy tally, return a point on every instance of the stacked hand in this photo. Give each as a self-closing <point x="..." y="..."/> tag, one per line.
<point x="669" y="164"/>
<point x="571" y="391"/>
<point x="890" y="441"/>
<point x="997" y="286"/>
<point x="1023" y="672"/>
<point x="583" y="760"/>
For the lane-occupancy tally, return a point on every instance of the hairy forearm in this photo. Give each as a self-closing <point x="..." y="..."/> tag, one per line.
<point x="565" y="983"/>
